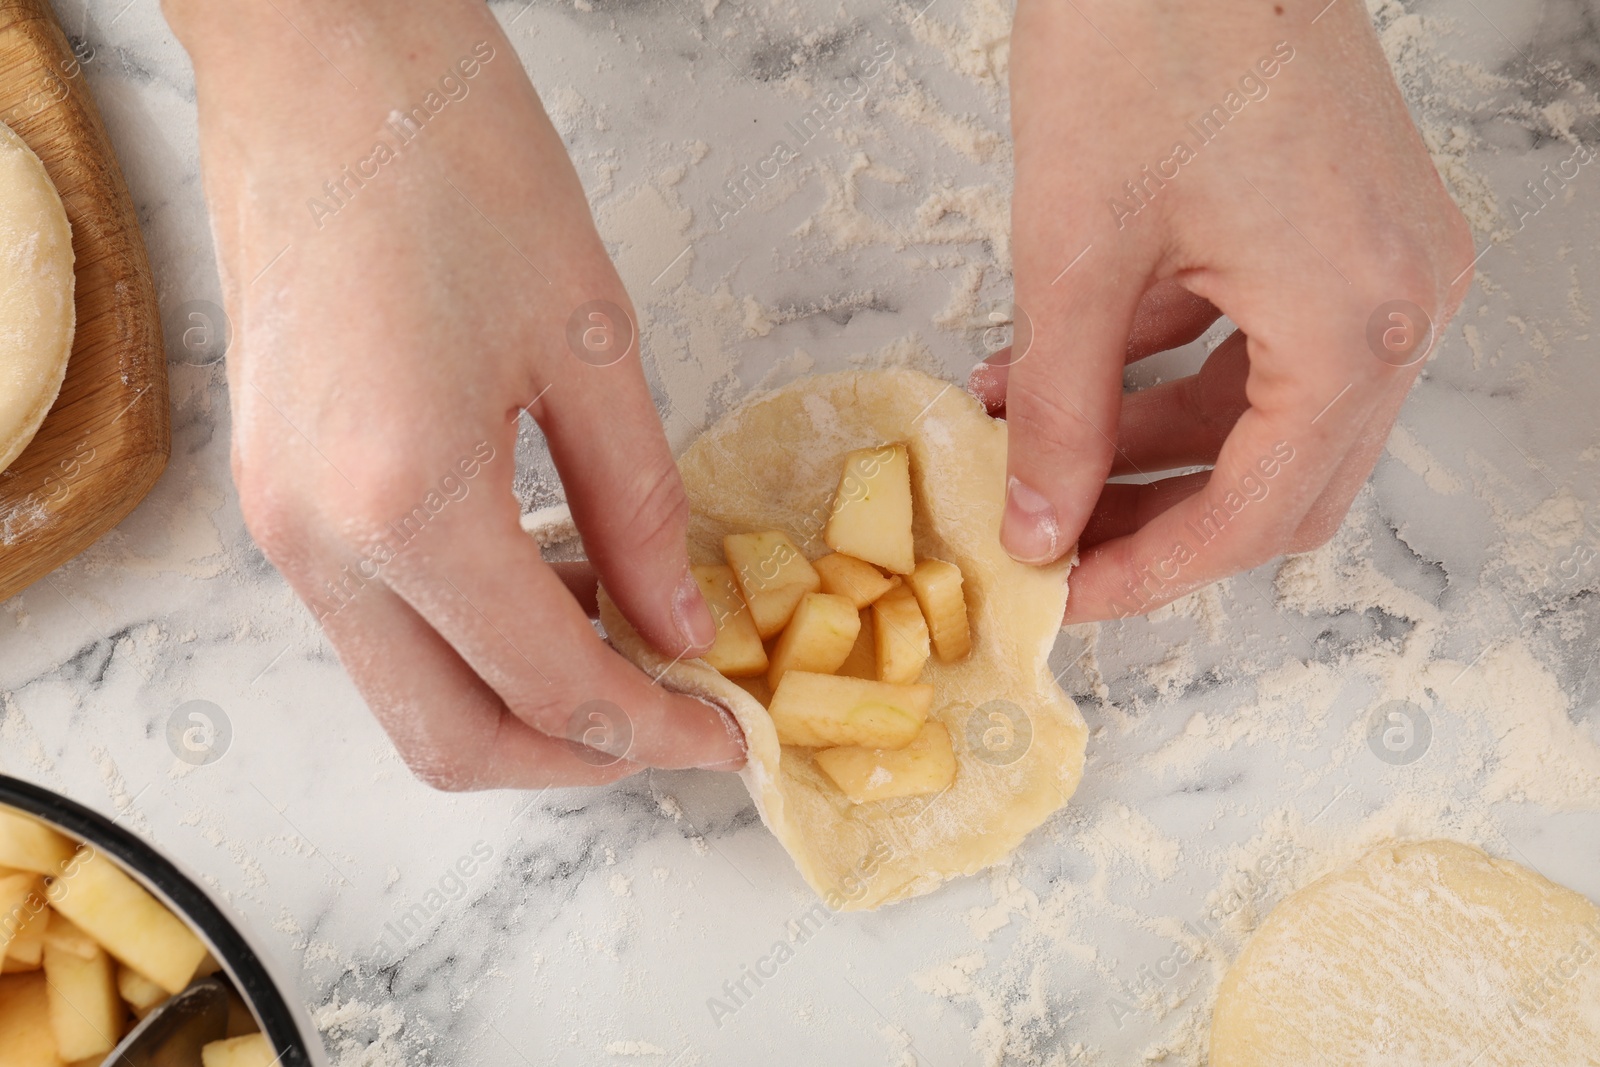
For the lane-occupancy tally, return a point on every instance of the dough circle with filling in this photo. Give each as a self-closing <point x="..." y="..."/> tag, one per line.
<point x="36" y="285"/>
<point x="1422" y="953"/>
<point x="774" y="464"/>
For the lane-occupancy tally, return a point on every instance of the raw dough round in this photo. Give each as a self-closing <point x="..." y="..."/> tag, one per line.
<point x="774" y="464"/>
<point x="1420" y="954"/>
<point x="36" y="283"/>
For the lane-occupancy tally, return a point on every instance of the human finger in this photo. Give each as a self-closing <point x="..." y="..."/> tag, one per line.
<point x="1184" y="422"/>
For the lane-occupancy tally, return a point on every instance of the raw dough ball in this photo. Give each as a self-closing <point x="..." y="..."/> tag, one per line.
<point x="36" y="282"/>
<point x="1420" y="955"/>
<point x="774" y="464"/>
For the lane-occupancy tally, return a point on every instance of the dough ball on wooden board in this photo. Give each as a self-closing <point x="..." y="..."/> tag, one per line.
<point x="36" y="284"/>
<point x="1428" y="954"/>
<point x="774" y="464"/>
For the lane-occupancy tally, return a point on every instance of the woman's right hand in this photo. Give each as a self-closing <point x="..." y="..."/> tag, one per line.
<point x="394" y="309"/>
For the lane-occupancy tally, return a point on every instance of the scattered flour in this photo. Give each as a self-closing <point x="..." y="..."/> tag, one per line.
<point x="1405" y="448"/>
<point x="653" y="231"/>
<point x="1511" y="737"/>
<point x="1518" y="743"/>
<point x="979" y="48"/>
<point x="633" y="1048"/>
<point x="358" y="1034"/>
<point x="913" y="104"/>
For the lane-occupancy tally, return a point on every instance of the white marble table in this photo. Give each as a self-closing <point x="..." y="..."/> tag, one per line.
<point x="594" y="926"/>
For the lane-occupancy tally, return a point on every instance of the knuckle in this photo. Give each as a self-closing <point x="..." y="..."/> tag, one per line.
<point x="282" y="505"/>
<point x="1427" y="261"/>
<point x="383" y="492"/>
<point x="271" y="516"/>
<point x="1050" y="424"/>
<point x="1313" y="534"/>
<point x="450" y="764"/>
<point x="545" y="714"/>
<point x="389" y="499"/>
<point x="1398" y="267"/>
<point x="662" y="507"/>
<point x="434" y="769"/>
<point x="547" y="708"/>
<point x="1213" y="401"/>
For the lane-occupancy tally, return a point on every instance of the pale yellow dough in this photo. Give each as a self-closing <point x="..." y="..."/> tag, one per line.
<point x="36" y="284"/>
<point x="774" y="464"/>
<point x="1419" y="954"/>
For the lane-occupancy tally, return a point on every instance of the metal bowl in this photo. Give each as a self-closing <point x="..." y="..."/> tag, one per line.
<point x="287" y="1026"/>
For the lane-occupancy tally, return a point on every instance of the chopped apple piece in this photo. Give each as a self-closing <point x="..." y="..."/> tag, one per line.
<point x="853" y="578"/>
<point x="251" y="1050"/>
<point x="26" y="1038"/>
<point x="772" y="576"/>
<point x="30" y="845"/>
<point x="63" y="933"/>
<point x="128" y="922"/>
<point x="926" y="765"/>
<point x="862" y="662"/>
<point x="871" y="517"/>
<point x="140" y="993"/>
<point x="822" y="710"/>
<point x="737" y="651"/>
<point x="818" y="637"/>
<point x="85" y="1010"/>
<point x="900" y="636"/>
<point x="937" y="587"/>
<point x="19" y="898"/>
<point x="26" y="950"/>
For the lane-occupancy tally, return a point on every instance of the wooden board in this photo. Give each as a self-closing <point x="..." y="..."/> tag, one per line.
<point x="107" y="438"/>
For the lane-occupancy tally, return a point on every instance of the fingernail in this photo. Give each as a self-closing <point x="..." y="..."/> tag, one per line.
<point x="988" y="383"/>
<point x="1030" y="530"/>
<point x="735" y="737"/>
<point x="691" y="616"/>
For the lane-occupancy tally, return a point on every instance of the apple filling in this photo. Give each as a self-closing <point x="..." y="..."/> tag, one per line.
<point x="86" y="951"/>
<point x="835" y="648"/>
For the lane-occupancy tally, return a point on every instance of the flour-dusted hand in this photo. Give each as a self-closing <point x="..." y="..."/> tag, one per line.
<point x="1177" y="159"/>
<point x="409" y="262"/>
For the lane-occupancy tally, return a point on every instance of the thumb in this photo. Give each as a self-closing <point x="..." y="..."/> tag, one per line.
<point x="1064" y="395"/>
<point x="622" y="485"/>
